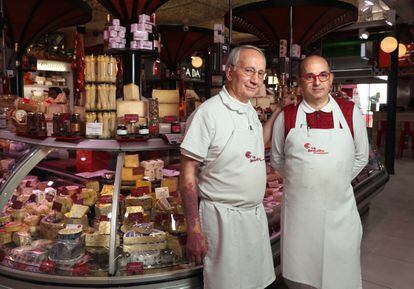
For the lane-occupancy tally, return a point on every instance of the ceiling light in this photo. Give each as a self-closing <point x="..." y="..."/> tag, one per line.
<point x="363" y="34"/>
<point x="389" y="44"/>
<point x="390" y="17"/>
<point x="370" y="3"/>
<point x="196" y="61"/>
<point x="402" y="49"/>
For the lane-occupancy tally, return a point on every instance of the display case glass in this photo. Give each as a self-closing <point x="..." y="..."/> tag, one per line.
<point x="99" y="212"/>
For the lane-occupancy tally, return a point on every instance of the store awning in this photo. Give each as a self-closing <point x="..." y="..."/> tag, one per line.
<point x="128" y="10"/>
<point x="179" y="42"/>
<point x="312" y="19"/>
<point x="28" y="20"/>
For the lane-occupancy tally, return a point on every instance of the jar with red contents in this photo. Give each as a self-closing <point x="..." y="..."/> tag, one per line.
<point x="175" y="127"/>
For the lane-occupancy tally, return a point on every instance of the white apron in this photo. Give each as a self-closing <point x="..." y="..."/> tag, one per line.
<point x="233" y="218"/>
<point x="321" y="227"/>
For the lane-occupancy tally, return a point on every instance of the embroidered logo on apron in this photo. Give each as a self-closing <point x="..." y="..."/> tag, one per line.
<point x="313" y="150"/>
<point x="253" y="158"/>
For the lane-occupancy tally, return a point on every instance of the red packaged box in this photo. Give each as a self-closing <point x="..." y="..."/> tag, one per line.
<point x="90" y="161"/>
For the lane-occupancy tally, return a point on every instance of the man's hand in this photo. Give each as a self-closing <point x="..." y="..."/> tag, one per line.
<point x="196" y="247"/>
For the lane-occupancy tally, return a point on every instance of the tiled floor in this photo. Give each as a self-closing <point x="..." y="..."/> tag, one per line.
<point x="387" y="253"/>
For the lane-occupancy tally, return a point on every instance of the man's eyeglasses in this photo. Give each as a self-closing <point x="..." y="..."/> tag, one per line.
<point x="250" y="71"/>
<point x="310" y="77"/>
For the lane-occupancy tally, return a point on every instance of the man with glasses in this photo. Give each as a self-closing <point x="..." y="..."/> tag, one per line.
<point x="319" y="146"/>
<point x="223" y="164"/>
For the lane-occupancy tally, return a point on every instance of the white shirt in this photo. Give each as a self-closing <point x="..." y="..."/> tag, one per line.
<point x="209" y="127"/>
<point x="361" y="143"/>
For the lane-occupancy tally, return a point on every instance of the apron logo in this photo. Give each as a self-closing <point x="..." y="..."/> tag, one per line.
<point x="314" y="150"/>
<point x="253" y="158"/>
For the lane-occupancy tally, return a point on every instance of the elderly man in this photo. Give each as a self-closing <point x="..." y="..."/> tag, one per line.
<point x="223" y="164"/>
<point x="320" y="146"/>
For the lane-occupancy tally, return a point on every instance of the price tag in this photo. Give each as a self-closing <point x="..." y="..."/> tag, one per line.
<point x="131" y="118"/>
<point x="74" y="226"/>
<point x="162" y="192"/>
<point x="174" y="138"/>
<point x="135" y="268"/>
<point x="94" y="128"/>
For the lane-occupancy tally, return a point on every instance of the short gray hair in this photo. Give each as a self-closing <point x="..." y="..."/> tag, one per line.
<point x="235" y="53"/>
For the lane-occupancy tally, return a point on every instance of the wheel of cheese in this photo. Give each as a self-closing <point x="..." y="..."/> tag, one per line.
<point x="49" y="227"/>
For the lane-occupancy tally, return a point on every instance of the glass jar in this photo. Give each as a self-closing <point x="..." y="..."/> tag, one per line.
<point x="75" y="124"/>
<point x="143" y="130"/>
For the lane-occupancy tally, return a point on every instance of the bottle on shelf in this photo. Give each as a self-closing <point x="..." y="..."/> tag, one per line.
<point x="155" y="36"/>
<point x="106" y="31"/>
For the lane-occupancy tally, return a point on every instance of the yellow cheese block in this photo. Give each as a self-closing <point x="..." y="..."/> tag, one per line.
<point x="131" y="92"/>
<point x="77" y="211"/>
<point x="103" y="209"/>
<point x="141" y="183"/>
<point x="104" y="227"/>
<point x="145" y="201"/>
<point x="168" y="109"/>
<point x="98" y="240"/>
<point x="131" y="161"/>
<point x="131" y="107"/>
<point x="94" y="185"/>
<point x="166" y="96"/>
<point x="144" y="247"/>
<point x="171" y="183"/>
<point x="107" y="190"/>
<point x="131" y="174"/>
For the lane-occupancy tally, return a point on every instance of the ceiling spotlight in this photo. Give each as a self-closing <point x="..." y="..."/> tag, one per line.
<point x="369" y="3"/>
<point x="390" y="17"/>
<point x="389" y="44"/>
<point x="196" y="61"/>
<point x="402" y="49"/>
<point x="363" y="34"/>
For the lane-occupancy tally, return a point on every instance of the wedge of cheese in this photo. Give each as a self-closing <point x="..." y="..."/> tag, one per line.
<point x="131" y="92"/>
<point x="131" y="107"/>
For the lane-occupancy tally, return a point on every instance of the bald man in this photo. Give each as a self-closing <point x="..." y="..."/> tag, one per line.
<point x="319" y="146"/>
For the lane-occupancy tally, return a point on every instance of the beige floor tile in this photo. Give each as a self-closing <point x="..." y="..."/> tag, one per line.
<point x="387" y="272"/>
<point x="369" y="285"/>
<point x="383" y="245"/>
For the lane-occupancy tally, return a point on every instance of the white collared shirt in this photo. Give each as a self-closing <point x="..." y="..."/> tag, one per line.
<point x="210" y="126"/>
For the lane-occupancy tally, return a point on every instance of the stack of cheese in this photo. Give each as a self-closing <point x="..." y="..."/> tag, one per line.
<point x="138" y="242"/>
<point x="104" y="205"/>
<point x="101" y="236"/>
<point x="131" y="170"/>
<point x="153" y="169"/>
<point x="132" y="103"/>
<point x="77" y="215"/>
<point x="168" y="101"/>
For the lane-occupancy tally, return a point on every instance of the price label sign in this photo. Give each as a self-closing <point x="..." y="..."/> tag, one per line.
<point x="162" y="192"/>
<point x="94" y="128"/>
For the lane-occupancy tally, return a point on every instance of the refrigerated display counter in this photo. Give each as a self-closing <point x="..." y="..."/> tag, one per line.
<point x="46" y="243"/>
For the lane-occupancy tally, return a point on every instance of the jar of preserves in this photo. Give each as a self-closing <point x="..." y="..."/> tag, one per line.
<point x="143" y="130"/>
<point x="175" y="127"/>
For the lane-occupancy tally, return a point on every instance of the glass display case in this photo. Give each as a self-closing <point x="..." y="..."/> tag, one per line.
<point x="99" y="213"/>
